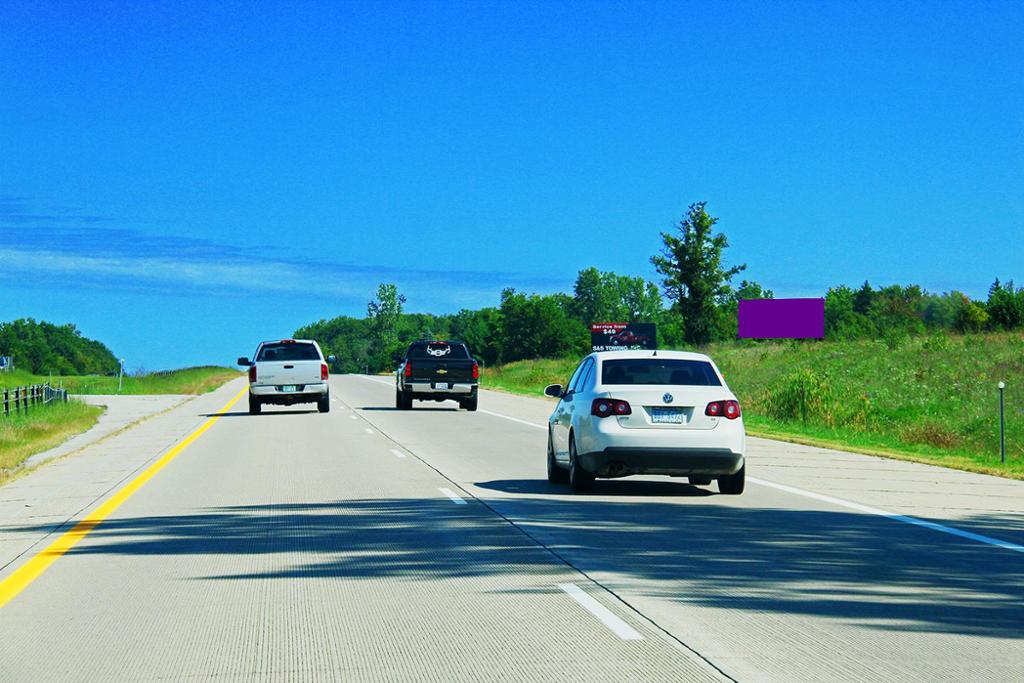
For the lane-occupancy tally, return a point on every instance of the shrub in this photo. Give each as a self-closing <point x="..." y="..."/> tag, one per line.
<point x="803" y="395"/>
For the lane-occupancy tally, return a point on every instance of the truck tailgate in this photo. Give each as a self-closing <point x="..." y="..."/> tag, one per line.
<point x="288" y="372"/>
<point x="455" y="370"/>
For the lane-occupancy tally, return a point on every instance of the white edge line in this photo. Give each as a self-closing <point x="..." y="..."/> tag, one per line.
<point x="513" y="419"/>
<point x="914" y="521"/>
<point x="397" y="453"/>
<point x="455" y="499"/>
<point x="488" y="412"/>
<point x="953" y="531"/>
<point x="617" y="625"/>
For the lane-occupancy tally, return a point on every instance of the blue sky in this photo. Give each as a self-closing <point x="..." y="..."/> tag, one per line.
<point x="181" y="180"/>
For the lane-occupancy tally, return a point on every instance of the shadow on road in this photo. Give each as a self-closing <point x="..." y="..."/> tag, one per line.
<point x="246" y="413"/>
<point x="424" y="409"/>
<point x="602" y="487"/>
<point x="842" y="565"/>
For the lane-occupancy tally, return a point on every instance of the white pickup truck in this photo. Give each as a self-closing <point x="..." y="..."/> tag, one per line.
<point x="287" y="372"/>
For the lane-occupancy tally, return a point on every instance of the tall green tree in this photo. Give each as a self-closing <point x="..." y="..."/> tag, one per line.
<point x="384" y="312"/>
<point x="480" y="330"/>
<point x="694" y="277"/>
<point x="610" y="297"/>
<point x="42" y="347"/>
<point x="538" y="326"/>
<point x="1005" y="306"/>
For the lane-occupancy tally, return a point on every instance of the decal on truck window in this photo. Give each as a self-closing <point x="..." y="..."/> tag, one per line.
<point x="438" y="350"/>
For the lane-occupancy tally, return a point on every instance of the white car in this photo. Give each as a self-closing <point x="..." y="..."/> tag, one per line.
<point x="646" y="412"/>
<point x="287" y="372"/>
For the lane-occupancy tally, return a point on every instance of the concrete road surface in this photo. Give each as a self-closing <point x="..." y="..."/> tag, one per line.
<point x="375" y="544"/>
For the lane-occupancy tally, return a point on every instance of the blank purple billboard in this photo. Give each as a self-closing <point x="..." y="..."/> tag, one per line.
<point x="782" y="319"/>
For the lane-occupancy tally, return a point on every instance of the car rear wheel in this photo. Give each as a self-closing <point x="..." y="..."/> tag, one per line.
<point x="733" y="484"/>
<point x="324" y="404"/>
<point x="469" y="403"/>
<point x="579" y="478"/>
<point x="254" y="405"/>
<point x="556" y="474"/>
<point x="405" y="399"/>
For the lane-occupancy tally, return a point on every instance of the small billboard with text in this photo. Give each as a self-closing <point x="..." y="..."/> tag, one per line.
<point x="623" y="336"/>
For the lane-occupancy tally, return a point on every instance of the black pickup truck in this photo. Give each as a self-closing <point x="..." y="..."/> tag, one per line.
<point x="437" y="371"/>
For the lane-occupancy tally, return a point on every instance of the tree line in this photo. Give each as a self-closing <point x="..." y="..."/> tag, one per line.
<point x="42" y="348"/>
<point x="694" y="303"/>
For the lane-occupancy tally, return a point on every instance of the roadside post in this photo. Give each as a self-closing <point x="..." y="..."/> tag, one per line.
<point x="120" y="375"/>
<point x="1002" y="425"/>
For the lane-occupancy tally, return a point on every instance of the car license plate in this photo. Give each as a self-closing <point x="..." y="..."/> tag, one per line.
<point x="441" y="385"/>
<point x="672" y="416"/>
<point x="288" y="388"/>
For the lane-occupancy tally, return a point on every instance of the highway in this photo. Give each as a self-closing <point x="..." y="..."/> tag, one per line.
<point x="376" y="544"/>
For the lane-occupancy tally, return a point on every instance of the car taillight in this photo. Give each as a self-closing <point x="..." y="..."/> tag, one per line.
<point x="323" y="371"/>
<point x="606" y="407"/>
<point x="252" y="373"/>
<point x="408" y="369"/>
<point x="476" y="371"/>
<point x="727" y="409"/>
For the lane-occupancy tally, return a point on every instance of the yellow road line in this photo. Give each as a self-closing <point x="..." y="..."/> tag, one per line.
<point x="33" y="569"/>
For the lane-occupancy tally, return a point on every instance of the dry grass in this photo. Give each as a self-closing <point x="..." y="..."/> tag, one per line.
<point x="46" y="427"/>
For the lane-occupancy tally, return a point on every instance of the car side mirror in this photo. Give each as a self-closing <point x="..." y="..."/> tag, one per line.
<point x="553" y="390"/>
<point x="244" y="361"/>
<point x="332" y="358"/>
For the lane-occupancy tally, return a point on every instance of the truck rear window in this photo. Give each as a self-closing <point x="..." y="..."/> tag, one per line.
<point x="673" y="372"/>
<point x="279" y="352"/>
<point x="438" y="350"/>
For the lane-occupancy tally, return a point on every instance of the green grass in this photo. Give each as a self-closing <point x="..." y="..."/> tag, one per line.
<point x="528" y="377"/>
<point x="185" y="381"/>
<point x="43" y="428"/>
<point x="927" y="399"/>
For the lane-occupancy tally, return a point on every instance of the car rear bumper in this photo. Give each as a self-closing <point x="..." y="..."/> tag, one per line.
<point x="622" y="461"/>
<point x="428" y="390"/>
<point x="304" y="393"/>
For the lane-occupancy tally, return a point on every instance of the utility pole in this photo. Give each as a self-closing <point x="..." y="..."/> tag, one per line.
<point x="120" y="376"/>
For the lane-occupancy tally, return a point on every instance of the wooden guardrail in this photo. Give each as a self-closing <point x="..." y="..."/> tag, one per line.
<point x="20" y="400"/>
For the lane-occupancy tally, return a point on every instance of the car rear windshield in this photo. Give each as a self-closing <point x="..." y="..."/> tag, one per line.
<point x="659" y="371"/>
<point x="438" y="350"/>
<point x="294" y="351"/>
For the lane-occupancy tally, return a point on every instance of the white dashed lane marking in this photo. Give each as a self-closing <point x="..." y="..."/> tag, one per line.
<point x="618" y="626"/>
<point x="454" y="498"/>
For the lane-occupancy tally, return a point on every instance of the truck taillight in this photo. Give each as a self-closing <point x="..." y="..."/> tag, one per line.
<point x="727" y="409"/>
<point x="323" y="371"/>
<point x="606" y="407"/>
<point x="252" y="374"/>
<point x="408" y="369"/>
<point x="476" y="371"/>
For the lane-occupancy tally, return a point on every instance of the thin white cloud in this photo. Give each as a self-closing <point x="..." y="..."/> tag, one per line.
<point x="233" y="272"/>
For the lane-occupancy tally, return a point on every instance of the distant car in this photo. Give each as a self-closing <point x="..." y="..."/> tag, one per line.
<point x="437" y="371"/>
<point x="287" y="372"/>
<point x="646" y="412"/>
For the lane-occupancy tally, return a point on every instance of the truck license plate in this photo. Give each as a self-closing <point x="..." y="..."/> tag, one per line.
<point x="667" y="416"/>
<point x="441" y="385"/>
<point x="288" y="388"/>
